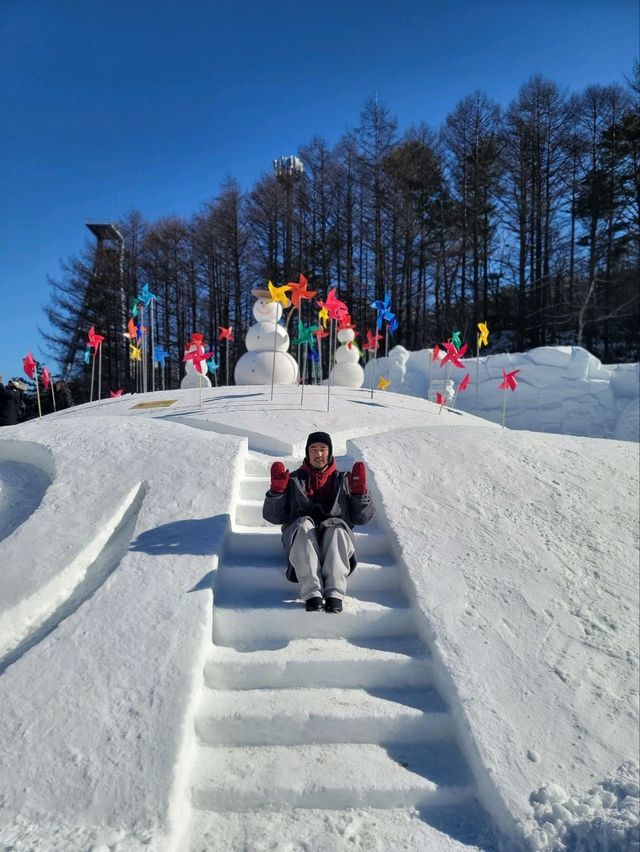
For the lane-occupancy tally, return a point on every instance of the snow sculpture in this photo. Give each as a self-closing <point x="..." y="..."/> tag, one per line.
<point x="195" y="369"/>
<point x="347" y="371"/>
<point x="255" y="366"/>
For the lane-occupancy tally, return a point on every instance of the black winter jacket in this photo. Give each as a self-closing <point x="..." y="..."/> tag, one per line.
<point x="9" y="406"/>
<point x="347" y="510"/>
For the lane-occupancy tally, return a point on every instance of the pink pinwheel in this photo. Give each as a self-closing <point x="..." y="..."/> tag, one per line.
<point x="372" y="340"/>
<point x="113" y="394"/>
<point x="509" y="380"/>
<point x="464" y="384"/>
<point x="320" y="333"/>
<point x="46" y="378"/>
<point x="453" y="354"/>
<point x="197" y="357"/>
<point x="435" y="353"/>
<point x="29" y="365"/>
<point x="225" y="333"/>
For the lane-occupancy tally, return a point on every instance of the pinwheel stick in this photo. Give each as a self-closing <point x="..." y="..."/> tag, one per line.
<point x="200" y="384"/>
<point x="53" y="396"/>
<point x="99" y="371"/>
<point x="304" y="370"/>
<point x="227" y="359"/>
<point x="477" y="373"/>
<point x="35" y="372"/>
<point x="153" y="349"/>
<point x="93" y="372"/>
<point x="331" y="335"/>
<point x="386" y="341"/>
<point x="273" y="363"/>
<point x="504" y="407"/>
<point x="373" y="371"/>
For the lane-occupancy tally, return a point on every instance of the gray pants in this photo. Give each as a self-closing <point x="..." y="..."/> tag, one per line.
<point x="322" y="568"/>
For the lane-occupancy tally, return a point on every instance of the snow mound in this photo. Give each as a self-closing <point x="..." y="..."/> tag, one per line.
<point x="605" y="818"/>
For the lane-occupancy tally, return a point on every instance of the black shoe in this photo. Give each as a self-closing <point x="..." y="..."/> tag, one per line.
<point x="314" y="605"/>
<point x="333" y="605"/>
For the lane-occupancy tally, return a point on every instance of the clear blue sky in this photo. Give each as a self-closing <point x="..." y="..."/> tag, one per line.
<point x="106" y="107"/>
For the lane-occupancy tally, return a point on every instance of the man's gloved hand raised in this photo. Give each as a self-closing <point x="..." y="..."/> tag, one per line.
<point x="279" y="477"/>
<point x="358" y="479"/>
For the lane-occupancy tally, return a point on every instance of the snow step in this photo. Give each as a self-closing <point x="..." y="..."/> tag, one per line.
<point x="316" y="715"/>
<point x="267" y="540"/>
<point x="332" y="777"/>
<point x="257" y="465"/>
<point x="238" y="619"/>
<point x="268" y="573"/>
<point x="254" y="487"/>
<point x="398" y="661"/>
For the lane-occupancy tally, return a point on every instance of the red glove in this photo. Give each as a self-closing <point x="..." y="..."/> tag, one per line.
<point x="279" y="477"/>
<point x="358" y="479"/>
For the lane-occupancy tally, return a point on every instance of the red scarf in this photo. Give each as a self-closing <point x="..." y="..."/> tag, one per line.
<point x="320" y="484"/>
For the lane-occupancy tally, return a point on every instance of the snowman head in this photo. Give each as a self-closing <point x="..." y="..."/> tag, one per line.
<point x="265" y="310"/>
<point x="346" y="335"/>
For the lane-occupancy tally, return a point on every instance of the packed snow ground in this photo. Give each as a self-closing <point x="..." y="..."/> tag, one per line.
<point x="518" y="551"/>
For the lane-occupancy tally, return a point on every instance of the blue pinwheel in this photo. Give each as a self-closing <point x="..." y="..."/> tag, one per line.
<point x="212" y="366"/>
<point x="145" y="296"/>
<point x="393" y="324"/>
<point x="313" y="356"/>
<point x="87" y="355"/>
<point x="384" y="310"/>
<point x="160" y="355"/>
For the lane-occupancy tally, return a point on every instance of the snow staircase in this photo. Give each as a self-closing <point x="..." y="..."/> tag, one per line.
<point x="313" y="710"/>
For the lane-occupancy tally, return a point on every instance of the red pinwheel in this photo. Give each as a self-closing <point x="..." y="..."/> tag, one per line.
<point x="225" y="333"/>
<point x="132" y="330"/>
<point x="372" y="340"/>
<point x="94" y="340"/>
<point x="453" y="354"/>
<point x="197" y="357"/>
<point x="320" y="333"/>
<point x="29" y="365"/>
<point x="197" y="338"/>
<point x="46" y="378"/>
<point x="299" y="291"/>
<point x="337" y="309"/>
<point x="439" y="399"/>
<point x="435" y="353"/>
<point x="464" y="384"/>
<point x="113" y="394"/>
<point x="509" y="380"/>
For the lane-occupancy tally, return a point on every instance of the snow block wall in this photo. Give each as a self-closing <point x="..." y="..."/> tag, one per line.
<point x="562" y="389"/>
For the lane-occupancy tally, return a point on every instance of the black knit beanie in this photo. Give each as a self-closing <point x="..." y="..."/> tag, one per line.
<point x="319" y="438"/>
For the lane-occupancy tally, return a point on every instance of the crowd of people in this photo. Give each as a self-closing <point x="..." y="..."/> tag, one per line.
<point x="13" y="400"/>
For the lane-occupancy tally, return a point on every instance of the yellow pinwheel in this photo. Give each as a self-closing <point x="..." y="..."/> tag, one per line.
<point x="134" y="353"/>
<point x="383" y="384"/>
<point x="483" y="337"/>
<point x="323" y="316"/>
<point x="278" y="294"/>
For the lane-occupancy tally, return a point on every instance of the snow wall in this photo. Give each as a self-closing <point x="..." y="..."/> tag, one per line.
<point x="562" y="389"/>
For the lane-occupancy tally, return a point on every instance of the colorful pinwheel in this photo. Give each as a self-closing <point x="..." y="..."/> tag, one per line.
<point x="94" y="340"/>
<point x="145" y="296"/>
<point x="509" y="381"/>
<point x="323" y="314"/>
<point x="372" y="340"/>
<point x="383" y="308"/>
<point x="160" y="355"/>
<point x="225" y="333"/>
<point x="135" y="354"/>
<point x="483" y="337"/>
<point x="115" y="393"/>
<point x="337" y="308"/>
<point x="383" y="383"/>
<point x="278" y="294"/>
<point x="45" y="375"/>
<point x="453" y="354"/>
<point x="299" y="291"/>
<point x="306" y="334"/>
<point x="456" y="339"/>
<point x="29" y="365"/>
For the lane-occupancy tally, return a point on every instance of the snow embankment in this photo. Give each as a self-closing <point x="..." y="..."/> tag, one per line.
<point x="561" y="389"/>
<point x="521" y="553"/>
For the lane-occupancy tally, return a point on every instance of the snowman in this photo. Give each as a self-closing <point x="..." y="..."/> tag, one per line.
<point x="347" y="371"/>
<point x="256" y="365"/>
<point x="195" y="375"/>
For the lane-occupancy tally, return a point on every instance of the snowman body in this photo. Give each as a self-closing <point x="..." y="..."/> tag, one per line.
<point x="195" y="375"/>
<point x="267" y="343"/>
<point x="347" y="371"/>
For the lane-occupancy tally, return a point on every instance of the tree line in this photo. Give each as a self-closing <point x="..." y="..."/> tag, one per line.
<point x="527" y="218"/>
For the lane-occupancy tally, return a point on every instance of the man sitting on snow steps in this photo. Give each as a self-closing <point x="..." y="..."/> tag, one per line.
<point x="318" y="506"/>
